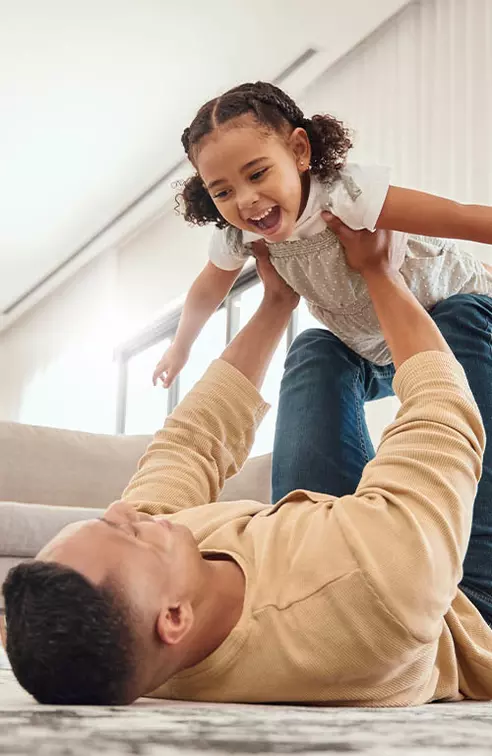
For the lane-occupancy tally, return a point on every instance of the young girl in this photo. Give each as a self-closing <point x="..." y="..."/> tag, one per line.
<point x="265" y="172"/>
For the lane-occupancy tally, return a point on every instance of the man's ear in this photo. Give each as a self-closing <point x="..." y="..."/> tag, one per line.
<point x="174" y="623"/>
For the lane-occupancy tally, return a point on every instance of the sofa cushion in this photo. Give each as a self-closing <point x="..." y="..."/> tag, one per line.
<point x="252" y="482"/>
<point x="63" y="467"/>
<point x="75" y="469"/>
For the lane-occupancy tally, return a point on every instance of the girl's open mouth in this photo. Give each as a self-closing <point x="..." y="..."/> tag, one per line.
<point x="269" y="221"/>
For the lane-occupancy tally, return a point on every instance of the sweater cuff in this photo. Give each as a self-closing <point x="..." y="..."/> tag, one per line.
<point x="222" y="379"/>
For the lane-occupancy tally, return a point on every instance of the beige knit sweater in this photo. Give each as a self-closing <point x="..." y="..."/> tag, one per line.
<point x="349" y="601"/>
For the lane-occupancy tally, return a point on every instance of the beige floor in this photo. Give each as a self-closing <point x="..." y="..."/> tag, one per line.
<point x="152" y="728"/>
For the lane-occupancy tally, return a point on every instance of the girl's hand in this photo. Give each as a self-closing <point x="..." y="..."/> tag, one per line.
<point x="366" y="251"/>
<point x="170" y="365"/>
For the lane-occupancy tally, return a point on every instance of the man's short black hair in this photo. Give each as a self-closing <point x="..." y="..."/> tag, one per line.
<point x="68" y="641"/>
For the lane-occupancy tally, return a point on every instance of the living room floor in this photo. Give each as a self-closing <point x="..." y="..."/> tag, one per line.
<point x="151" y="728"/>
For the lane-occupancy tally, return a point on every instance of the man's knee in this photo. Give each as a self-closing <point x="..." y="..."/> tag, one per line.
<point x="318" y="347"/>
<point x="463" y="311"/>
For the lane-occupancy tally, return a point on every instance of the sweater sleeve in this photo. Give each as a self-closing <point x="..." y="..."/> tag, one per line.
<point x="206" y="440"/>
<point x="408" y="524"/>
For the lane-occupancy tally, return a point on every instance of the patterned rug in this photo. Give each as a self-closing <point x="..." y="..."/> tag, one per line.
<point x="150" y="728"/>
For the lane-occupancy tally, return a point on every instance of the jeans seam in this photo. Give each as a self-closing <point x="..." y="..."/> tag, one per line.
<point x="488" y="328"/>
<point x="476" y="593"/>
<point x="386" y="374"/>
<point x="362" y="439"/>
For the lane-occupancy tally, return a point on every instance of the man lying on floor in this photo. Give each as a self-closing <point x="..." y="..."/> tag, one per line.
<point x="318" y="599"/>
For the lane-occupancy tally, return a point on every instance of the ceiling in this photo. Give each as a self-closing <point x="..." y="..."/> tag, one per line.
<point x="94" y="95"/>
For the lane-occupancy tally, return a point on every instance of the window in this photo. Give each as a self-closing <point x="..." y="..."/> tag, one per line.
<point x="143" y="407"/>
<point x="208" y="346"/>
<point x="244" y="306"/>
<point x="246" y="303"/>
<point x="264" y="437"/>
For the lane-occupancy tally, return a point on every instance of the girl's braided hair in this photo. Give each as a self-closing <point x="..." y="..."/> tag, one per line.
<point x="274" y="109"/>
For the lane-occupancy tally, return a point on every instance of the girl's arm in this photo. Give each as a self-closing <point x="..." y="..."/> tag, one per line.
<point x="207" y="292"/>
<point x="419" y="213"/>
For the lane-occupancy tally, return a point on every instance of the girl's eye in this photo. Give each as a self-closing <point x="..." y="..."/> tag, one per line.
<point x="259" y="174"/>
<point x="220" y="195"/>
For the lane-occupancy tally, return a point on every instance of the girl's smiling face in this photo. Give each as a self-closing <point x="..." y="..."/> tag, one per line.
<point x="255" y="176"/>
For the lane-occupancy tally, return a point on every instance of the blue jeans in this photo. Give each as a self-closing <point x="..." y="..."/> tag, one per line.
<point x="322" y="442"/>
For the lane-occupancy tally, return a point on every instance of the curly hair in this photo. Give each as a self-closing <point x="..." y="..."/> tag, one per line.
<point x="68" y="641"/>
<point x="274" y="109"/>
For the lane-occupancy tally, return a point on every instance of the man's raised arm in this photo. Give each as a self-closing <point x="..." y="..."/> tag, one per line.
<point x="409" y="521"/>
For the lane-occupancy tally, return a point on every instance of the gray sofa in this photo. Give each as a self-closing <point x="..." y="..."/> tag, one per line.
<point x="51" y="477"/>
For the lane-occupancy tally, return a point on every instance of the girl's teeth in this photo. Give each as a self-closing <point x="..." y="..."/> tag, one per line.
<point x="260" y="217"/>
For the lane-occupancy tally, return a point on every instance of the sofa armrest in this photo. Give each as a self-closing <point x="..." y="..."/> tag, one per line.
<point x="26" y="528"/>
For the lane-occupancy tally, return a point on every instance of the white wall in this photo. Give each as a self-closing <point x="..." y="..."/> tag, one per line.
<point x="418" y="94"/>
<point x="156" y="267"/>
<point x="57" y="361"/>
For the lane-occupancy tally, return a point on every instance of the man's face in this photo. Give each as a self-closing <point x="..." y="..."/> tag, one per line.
<point x="154" y="562"/>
